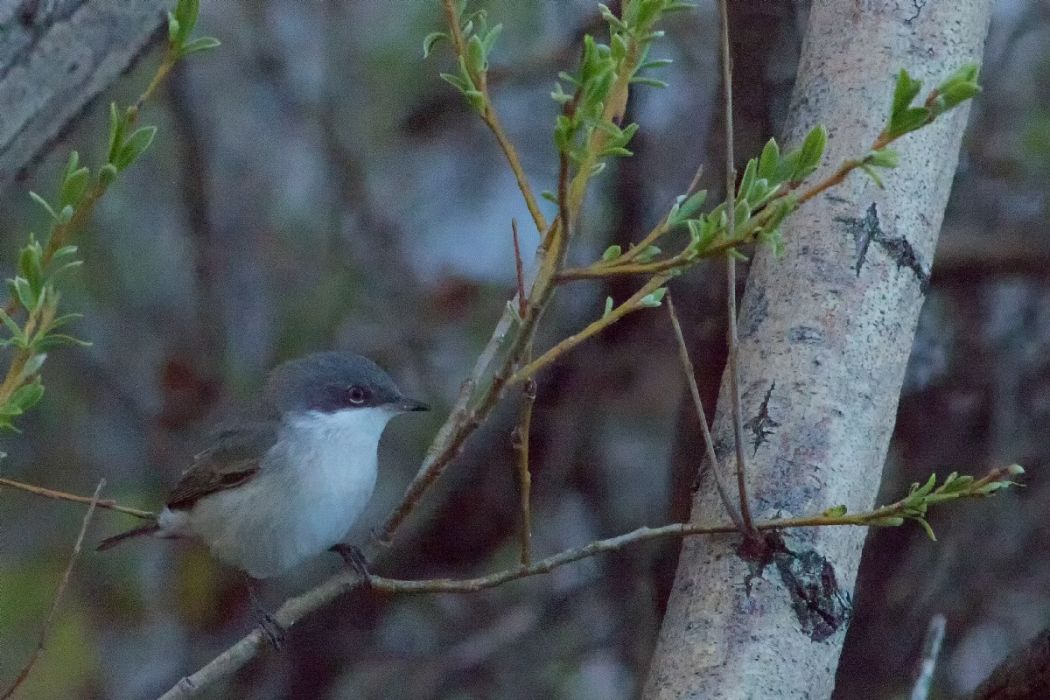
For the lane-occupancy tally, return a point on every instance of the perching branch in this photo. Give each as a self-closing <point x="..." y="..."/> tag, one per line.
<point x="49" y="620"/>
<point x="296" y="608"/>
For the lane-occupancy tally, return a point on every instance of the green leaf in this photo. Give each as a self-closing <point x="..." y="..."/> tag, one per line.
<point x="53" y="340"/>
<point x="186" y="12"/>
<point x="490" y="39"/>
<point x="648" y="254"/>
<point x="27" y="296"/>
<point x="107" y="174"/>
<point x="883" y="158"/>
<point x="73" y="187"/>
<point x="204" y="43"/>
<point x="135" y="146"/>
<point x="33" y="365"/>
<point x="117" y="125"/>
<point x="812" y="152"/>
<point x="687" y="207"/>
<point x="430" y="40"/>
<point x="835" y="512"/>
<point x="608" y="307"/>
<point x="174" y="29"/>
<point x="870" y="172"/>
<point x="612" y="253"/>
<point x="769" y="160"/>
<point x="904" y="93"/>
<point x="29" y="265"/>
<point x="926" y="526"/>
<point x="653" y="299"/>
<point x="476" y="55"/>
<point x="43" y="204"/>
<point x="645" y="80"/>
<point x="748" y="179"/>
<point x="12" y="327"/>
<point x="25" y="397"/>
<point x="909" y="120"/>
<point x="926" y="488"/>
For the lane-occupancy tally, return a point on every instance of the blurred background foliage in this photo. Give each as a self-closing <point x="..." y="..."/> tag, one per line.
<point x="314" y="185"/>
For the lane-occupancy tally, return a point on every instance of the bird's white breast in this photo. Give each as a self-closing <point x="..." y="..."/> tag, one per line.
<point x="310" y="489"/>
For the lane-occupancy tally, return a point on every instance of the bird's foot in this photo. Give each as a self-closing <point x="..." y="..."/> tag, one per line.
<point x="274" y="632"/>
<point x="355" y="559"/>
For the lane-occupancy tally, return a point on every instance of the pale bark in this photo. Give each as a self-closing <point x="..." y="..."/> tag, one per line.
<point x="54" y="58"/>
<point x="825" y="334"/>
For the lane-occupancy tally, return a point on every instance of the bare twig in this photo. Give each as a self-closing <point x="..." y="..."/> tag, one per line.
<point x="734" y="369"/>
<point x="49" y="620"/>
<point x="521" y="445"/>
<point x="63" y="496"/>
<point x="931" y="649"/>
<point x="296" y="608"/>
<point x="709" y="443"/>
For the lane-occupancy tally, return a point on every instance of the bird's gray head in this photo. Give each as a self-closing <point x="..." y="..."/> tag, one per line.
<point x="335" y="381"/>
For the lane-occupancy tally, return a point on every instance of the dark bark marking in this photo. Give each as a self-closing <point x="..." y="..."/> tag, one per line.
<point x="806" y="335"/>
<point x="918" y="5"/>
<point x="867" y="231"/>
<point x="755" y="314"/>
<point x="762" y="425"/>
<point x="821" y="606"/>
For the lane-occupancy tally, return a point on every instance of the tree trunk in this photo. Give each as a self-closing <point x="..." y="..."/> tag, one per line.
<point x="825" y="334"/>
<point x="54" y="58"/>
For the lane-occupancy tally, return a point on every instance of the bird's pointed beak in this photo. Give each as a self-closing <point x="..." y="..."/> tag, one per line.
<point x="406" y="405"/>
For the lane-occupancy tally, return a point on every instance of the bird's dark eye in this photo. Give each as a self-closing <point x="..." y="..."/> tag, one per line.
<point x="357" y="395"/>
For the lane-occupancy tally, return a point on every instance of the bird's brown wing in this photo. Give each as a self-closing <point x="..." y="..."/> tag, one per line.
<point x="233" y="458"/>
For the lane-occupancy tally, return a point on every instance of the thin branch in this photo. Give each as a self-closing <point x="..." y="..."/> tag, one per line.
<point x="49" y="620"/>
<point x="63" y="496"/>
<point x="661" y="228"/>
<point x="592" y="329"/>
<point x="227" y="663"/>
<point x="931" y="649"/>
<point x="521" y="439"/>
<point x="709" y="443"/>
<point x="734" y="342"/>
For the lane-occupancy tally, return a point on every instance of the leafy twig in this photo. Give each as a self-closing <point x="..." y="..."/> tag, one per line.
<point x="59" y="593"/>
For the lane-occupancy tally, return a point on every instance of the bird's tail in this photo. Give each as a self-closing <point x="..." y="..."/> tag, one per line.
<point x="136" y="532"/>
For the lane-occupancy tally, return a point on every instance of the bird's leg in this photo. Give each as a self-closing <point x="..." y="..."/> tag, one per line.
<point x="273" y="630"/>
<point x="355" y="559"/>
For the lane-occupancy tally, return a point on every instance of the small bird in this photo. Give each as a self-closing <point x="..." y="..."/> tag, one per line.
<point x="267" y="495"/>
